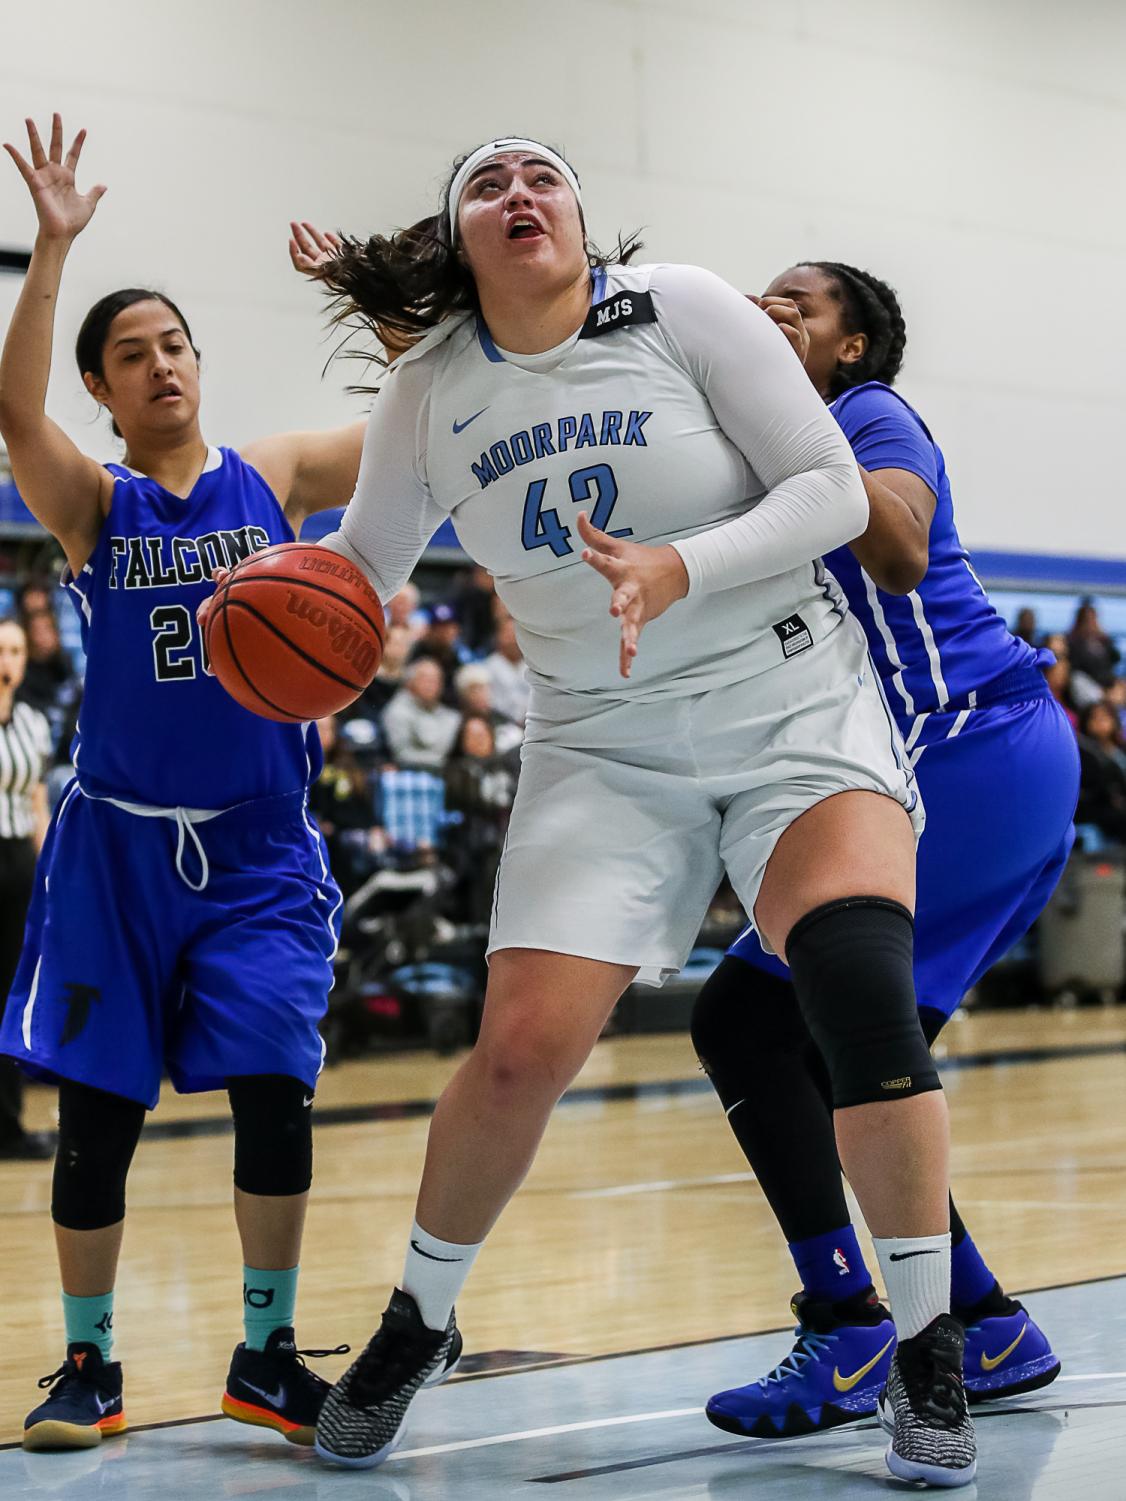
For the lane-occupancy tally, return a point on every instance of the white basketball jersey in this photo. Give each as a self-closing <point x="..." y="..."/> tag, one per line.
<point x="616" y="423"/>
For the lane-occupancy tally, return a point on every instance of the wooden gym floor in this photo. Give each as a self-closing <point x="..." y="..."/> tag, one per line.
<point x="637" y="1228"/>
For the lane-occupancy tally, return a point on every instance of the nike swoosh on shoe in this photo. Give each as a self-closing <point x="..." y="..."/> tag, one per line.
<point x="274" y="1398"/>
<point x="991" y="1362"/>
<point x="846" y="1383"/>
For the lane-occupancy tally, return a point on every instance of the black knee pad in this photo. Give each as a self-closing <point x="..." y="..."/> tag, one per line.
<point x="273" y="1134"/>
<point x="98" y="1134"/>
<point x="852" y="966"/>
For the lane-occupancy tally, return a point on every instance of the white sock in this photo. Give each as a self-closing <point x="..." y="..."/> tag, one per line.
<point x="917" y="1277"/>
<point x="435" y="1272"/>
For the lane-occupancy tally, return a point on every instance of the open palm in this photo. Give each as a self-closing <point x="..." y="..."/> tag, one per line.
<point x="63" y="211"/>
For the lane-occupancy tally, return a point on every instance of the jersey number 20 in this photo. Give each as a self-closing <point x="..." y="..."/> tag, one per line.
<point x="543" y="528"/>
<point x="173" y="647"/>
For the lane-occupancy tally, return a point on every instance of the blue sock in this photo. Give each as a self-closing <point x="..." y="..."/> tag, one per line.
<point x="831" y="1266"/>
<point x="268" y="1302"/>
<point x="970" y="1278"/>
<point x="89" y="1321"/>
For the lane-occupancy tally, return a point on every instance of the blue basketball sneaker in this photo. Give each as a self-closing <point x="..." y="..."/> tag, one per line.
<point x="85" y="1404"/>
<point x="833" y="1375"/>
<point x="1006" y="1353"/>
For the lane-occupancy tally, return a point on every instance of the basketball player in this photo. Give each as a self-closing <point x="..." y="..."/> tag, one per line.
<point x="997" y="766"/>
<point x="184" y="917"/>
<point x="744" y="732"/>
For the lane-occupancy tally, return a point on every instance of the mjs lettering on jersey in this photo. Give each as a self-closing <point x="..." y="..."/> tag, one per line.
<point x="563" y="435"/>
<point x="158" y="562"/>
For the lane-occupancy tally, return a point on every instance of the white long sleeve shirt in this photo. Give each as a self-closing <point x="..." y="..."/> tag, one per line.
<point x="678" y="414"/>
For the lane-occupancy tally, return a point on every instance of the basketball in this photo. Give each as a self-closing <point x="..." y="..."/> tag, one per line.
<point x="296" y="632"/>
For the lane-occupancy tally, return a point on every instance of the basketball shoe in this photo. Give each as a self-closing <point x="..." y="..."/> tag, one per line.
<point x="273" y="1388"/>
<point x="1006" y="1352"/>
<point x="85" y="1404"/>
<point x="833" y="1375"/>
<point x="362" y="1418"/>
<point x="923" y="1408"/>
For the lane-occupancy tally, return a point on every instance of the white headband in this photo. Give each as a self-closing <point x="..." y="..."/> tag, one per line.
<point x="495" y="148"/>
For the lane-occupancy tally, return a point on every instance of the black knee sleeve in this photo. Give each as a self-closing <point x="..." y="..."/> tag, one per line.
<point x="98" y="1134"/>
<point x="273" y="1134"/>
<point x="852" y="966"/>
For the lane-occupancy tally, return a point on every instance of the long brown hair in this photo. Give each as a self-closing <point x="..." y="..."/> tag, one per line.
<point x="401" y="285"/>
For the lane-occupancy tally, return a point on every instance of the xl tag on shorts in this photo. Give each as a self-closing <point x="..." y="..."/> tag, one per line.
<point x="794" y="635"/>
<point x="618" y="311"/>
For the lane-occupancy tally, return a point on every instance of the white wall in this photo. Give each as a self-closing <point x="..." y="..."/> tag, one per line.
<point x="969" y="151"/>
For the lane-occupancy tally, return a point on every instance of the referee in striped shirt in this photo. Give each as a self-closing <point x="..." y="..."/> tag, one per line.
<point x="25" y="747"/>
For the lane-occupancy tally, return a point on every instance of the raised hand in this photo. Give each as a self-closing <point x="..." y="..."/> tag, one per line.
<point x="311" y="248"/>
<point x="644" y="581"/>
<point x="63" y="211"/>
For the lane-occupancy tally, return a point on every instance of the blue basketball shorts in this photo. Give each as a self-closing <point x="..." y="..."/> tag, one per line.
<point x="128" y="971"/>
<point x="999" y="785"/>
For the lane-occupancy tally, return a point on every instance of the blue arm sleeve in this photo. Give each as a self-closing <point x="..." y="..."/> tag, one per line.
<point x="885" y="433"/>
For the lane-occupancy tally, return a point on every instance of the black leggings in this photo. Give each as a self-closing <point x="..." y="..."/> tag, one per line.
<point x="751" y="1040"/>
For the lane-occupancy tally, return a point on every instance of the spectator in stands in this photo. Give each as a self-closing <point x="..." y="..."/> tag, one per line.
<point x="1102" y="771"/>
<point x="1091" y="650"/>
<point x="403" y="610"/>
<point x="441" y="641"/>
<point x="475" y="611"/>
<point x="420" y="729"/>
<point x="51" y="682"/>
<point x="341" y="800"/>
<point x="474" y="685"/>
<point x="37" y="597"/>
<point x="480" y="785"/>
<point x="508" y="674"/>
<point x="388" y="680"/>
<point x="1025" y="625"/>
<point x="1058" y="678"/>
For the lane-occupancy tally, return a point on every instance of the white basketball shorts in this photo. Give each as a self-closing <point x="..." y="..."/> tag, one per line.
<point x="627" y="813"/>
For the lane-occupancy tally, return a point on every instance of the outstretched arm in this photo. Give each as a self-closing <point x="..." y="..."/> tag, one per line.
<point x="63" y="488"/>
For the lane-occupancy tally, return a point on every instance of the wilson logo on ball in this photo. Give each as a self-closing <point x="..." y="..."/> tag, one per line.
<point x="295" y="633"/>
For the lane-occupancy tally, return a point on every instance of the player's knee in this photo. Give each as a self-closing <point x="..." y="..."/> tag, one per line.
<point x="518" y="1062"/>
<point x="852" y="963"/>
<point x="98" y="1134"/>
<point x="273" y="1121"/>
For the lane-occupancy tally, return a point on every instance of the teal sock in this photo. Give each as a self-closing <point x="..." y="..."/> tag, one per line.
<point x="89" y="1321"/>
<point x="268" y="1302"/>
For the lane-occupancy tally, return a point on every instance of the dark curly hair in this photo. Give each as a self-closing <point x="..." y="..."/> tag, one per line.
<point x="868" y="306"/>
<point x="401" y="285"/>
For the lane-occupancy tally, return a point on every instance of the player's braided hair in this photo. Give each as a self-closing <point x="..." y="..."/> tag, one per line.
<point x="401" y="285"/>
<point x="869" y="306"/>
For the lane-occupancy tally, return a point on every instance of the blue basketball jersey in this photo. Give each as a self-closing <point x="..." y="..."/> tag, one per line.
<point x="154" y="727"/>
<point x="943" y="646"/>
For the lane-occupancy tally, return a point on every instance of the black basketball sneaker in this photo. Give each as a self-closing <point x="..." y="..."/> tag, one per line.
<point x="273" y="1388"/>
<point x="362" y="1419"/>
<point x="923" y="1408"/>
<point x="85" y="1404"/>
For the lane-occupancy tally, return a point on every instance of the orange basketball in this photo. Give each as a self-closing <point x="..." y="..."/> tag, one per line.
<point x="295" y="633"/>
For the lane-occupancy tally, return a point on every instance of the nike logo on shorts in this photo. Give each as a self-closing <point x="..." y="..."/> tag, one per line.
<point x="416" y="1247"/>
<point x="459" y="427"/>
